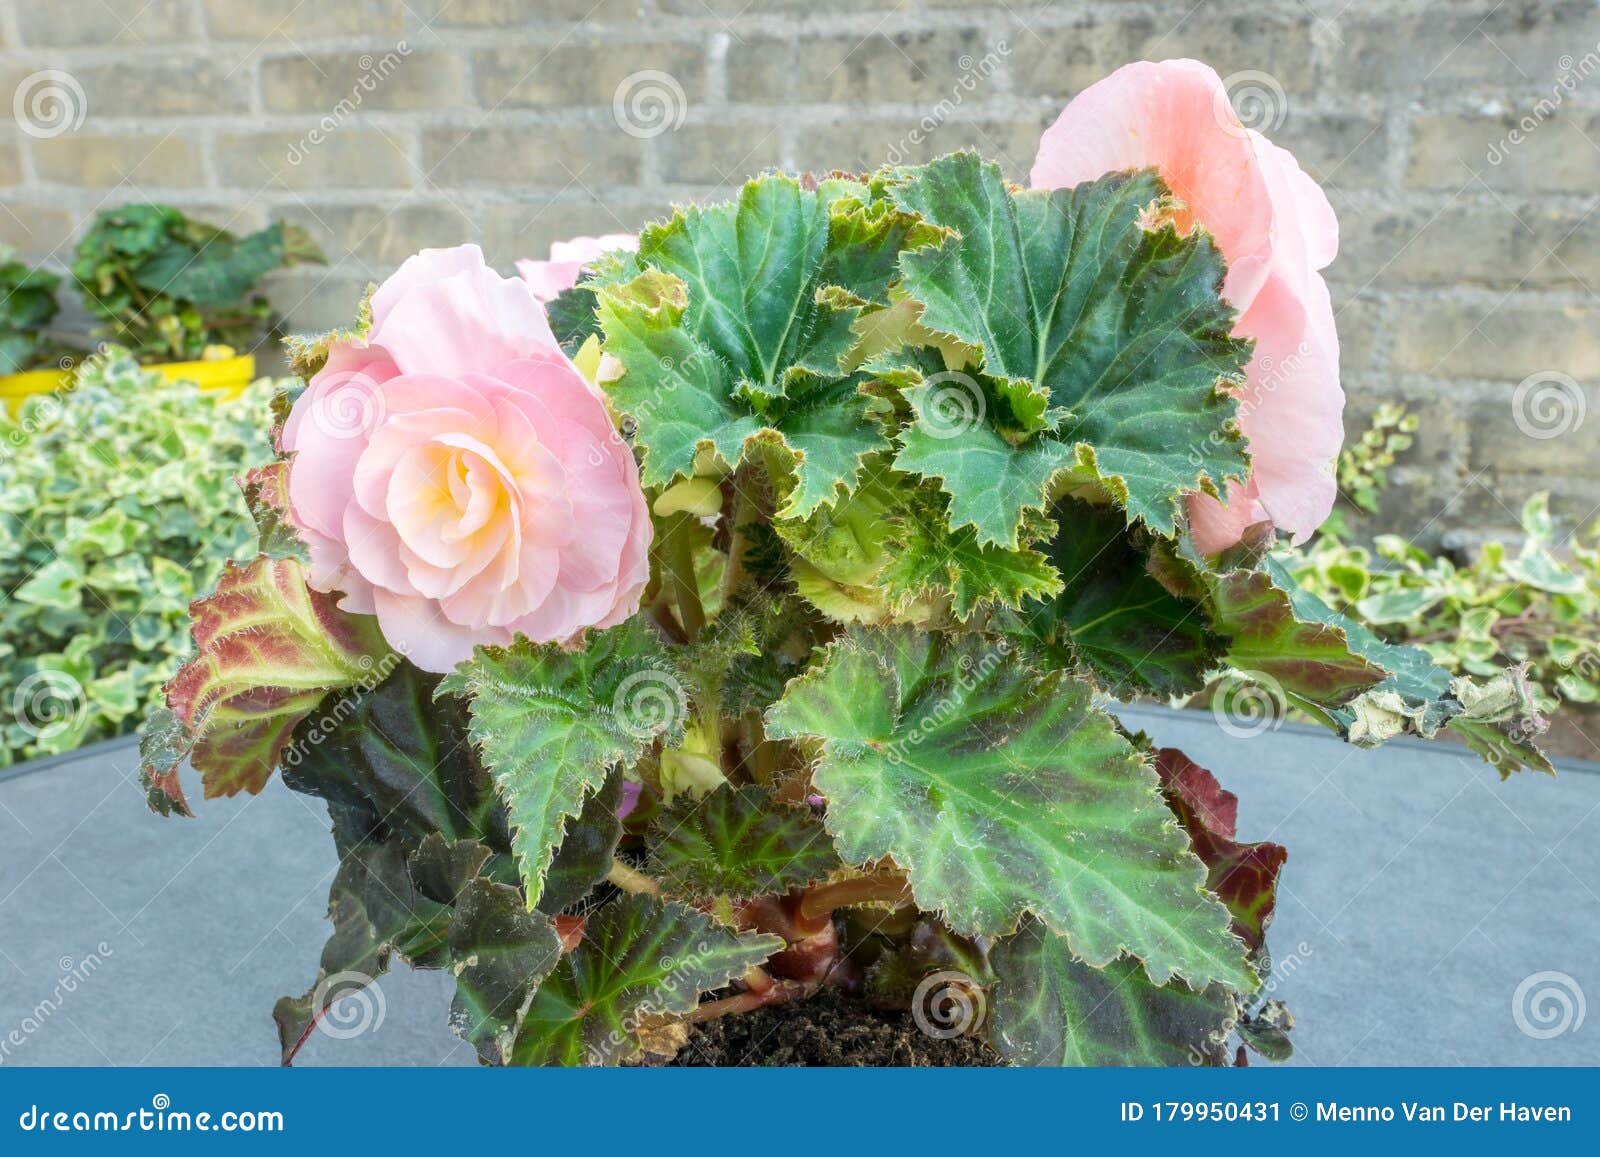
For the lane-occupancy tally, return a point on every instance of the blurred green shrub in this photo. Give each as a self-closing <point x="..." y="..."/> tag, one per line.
<point x="117" y="506"/>
<point x="27" y="307"/>
<point x="167" y="286"/>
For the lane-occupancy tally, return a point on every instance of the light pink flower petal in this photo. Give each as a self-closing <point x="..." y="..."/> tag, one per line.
<point x="421" y="505"/>
<point x="549" y="279"/>
<point x="398" y="435"/>
<point x="470" y="320"/>
<point x="331" y="570"/>
<point x="602" y="478"/>
<point x="421" y="270"/>
<point x="1173" y="116"/>
<point x="327" y="431"/>
<point x="529" y="582"/>
<point x="1293" y="406"/>
<point x="419" y="630"/>
<point x="1218" y="525"/>
<point x="375" y="551"/>
<point x="1276" y="230"/>
<point x="562" y="614"/>
<point x="561" y="390"/>
<point x="1306" y="232"/>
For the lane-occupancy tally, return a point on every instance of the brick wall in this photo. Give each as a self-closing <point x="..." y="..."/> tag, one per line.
<point x="1458" y="139"/>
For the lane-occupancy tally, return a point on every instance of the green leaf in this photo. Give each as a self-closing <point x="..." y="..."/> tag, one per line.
<point x="1398" y="606"/>
<point x="638" y="958"/>
<point x="758" y="652"/>
<point x="1112" y="617"/>
<point x="550" y="723"/>
<point x="268" y="649"/>
<point x="822" y="441"/>
<point x="58" y="584"/>
<point x="737" y="843"/>
<point x="390" y="759"/>
<point x="1366" y="689"/>
<point x="1266" y="1030"/>
<point x="889" y="549"/>
<point x="677" y="392"/>
<point x="266" y="494"/>
<point x="738" y="321"/>
<point x="584" y="858"/>
<point x="217" y="273"/>
<point x="1050" y="1008"/>
<point x="1119" y="329"/>
<point x="501" y="952"/>
<point x="992" y="482"/>
<point x="442" y="869"/>
<point x="1411" y="671"/>
<point x="1002" y="791"/>
<point x="929" y="558"/>
<point x="1305" y="650"/>
<point x="377" y="912"/>
<point x="1499" y="719"/>
<point x="572" y="317"/>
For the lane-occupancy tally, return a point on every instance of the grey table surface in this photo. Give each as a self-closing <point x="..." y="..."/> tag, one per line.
<point x="1429" y="914"/>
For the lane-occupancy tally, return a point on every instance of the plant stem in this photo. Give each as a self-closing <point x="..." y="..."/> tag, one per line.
<point x="666" y="622"/>
<point x="630" y="879"/>
<point x="820" y="902"/>
<point x="740" y="512"/>
<point x="678" y="554"/>
<point x="762" y="991"/>
<point x="743" y="1002"/>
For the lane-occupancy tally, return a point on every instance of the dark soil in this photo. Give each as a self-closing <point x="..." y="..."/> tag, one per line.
<point x="827" y="1030"/>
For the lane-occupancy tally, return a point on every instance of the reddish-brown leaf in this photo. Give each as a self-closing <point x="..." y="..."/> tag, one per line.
<point x="1244" y="876"/>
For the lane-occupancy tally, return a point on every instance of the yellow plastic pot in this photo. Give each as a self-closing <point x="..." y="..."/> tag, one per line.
<point x="14" y="388"/>
<point x="226" y="376"/>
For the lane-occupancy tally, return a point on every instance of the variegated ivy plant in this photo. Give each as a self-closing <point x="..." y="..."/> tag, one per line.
<point x="916" y="447"/>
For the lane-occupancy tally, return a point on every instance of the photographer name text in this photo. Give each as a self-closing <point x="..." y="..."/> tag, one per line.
<point x="1335" y="1112"/>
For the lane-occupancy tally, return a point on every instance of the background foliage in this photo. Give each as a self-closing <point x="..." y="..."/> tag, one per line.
<point x="117" y="507"/>
<point x="27" y="306"/>
<point x="1531" y="601"/>
<point x="167" y="286"/>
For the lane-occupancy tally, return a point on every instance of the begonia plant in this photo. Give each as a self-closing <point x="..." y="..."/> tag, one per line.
<point x="746" y="619"/>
